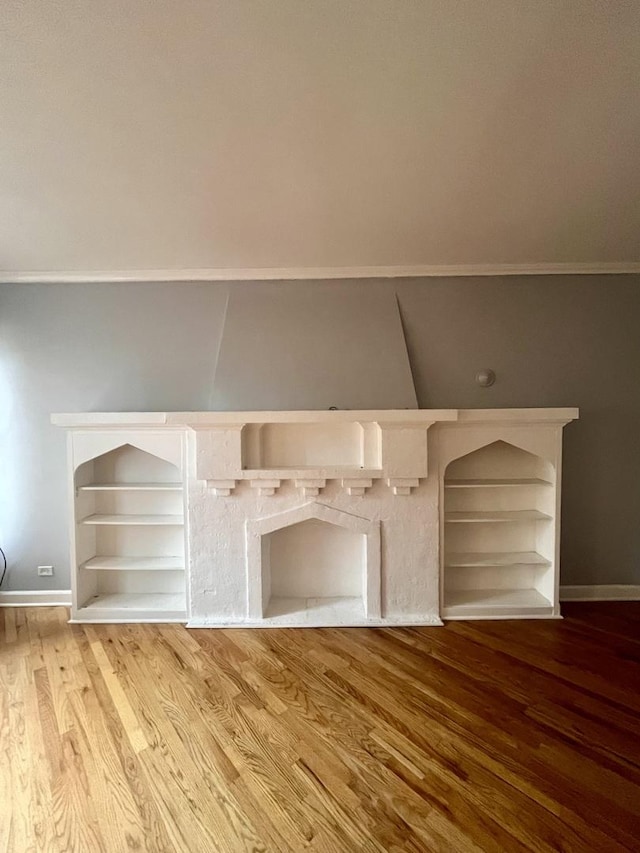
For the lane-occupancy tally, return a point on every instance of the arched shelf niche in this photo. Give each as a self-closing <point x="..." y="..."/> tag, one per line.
<point x="129" y="538"/>
<point x="499" y="534"/>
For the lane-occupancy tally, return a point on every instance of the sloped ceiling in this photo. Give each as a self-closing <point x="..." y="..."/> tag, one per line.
<point x="242" y="134"/>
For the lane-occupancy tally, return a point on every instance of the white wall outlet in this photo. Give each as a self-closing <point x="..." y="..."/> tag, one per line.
<point x="45" y="571"/>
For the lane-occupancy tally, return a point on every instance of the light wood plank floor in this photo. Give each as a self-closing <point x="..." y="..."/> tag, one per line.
<point x="495" y="736"/>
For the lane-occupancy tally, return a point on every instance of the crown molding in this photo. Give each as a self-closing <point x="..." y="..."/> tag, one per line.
<point x="306" y="273"/>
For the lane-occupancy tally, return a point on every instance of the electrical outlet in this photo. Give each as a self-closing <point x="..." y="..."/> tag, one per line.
<point x="45" y="571"/>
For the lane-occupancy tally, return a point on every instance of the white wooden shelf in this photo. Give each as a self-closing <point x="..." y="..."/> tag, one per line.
<point x="495" y="558"/>
<point x="484" y="603"/>
<point x="132" y="601"/>
<point x="134" y="607"/>
<point x="493" y="484"/>
<point x="173" y="520"/>
<point x="495" y="516"/>
<point x="131" y="487"/>
<point x="134" y="564"/>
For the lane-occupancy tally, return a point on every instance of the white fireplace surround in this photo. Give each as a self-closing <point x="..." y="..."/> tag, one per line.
<point x="396" y="517"/>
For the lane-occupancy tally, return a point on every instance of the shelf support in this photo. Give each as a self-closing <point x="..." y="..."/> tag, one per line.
<point x="222" y="488"/>
<point x="265" y="488"/>
<point x="310" y="487"/>
<point x="402" y="485"/>
<point x="356" y="486"/>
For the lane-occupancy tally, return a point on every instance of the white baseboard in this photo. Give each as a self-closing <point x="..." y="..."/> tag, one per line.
<point x="601" y="592"/>
<point x="36" y="598"/>
<point x="592" y="592"/>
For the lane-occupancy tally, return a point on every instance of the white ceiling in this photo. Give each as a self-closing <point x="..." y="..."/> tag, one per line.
<point x="208" y="134"/>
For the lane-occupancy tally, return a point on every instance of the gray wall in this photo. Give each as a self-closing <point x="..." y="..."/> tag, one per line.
<point x="87" y="348"/>
<point x="552" y="342"/>
<point x="290" y="347"/>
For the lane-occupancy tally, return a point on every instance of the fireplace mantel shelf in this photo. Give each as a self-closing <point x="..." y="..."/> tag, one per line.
<point x="126" y="420"/>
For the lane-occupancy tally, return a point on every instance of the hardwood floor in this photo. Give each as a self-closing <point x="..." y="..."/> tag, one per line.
<point x="492" y="736"/>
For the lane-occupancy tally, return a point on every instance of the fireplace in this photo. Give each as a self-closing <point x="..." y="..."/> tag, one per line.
<point x="313" y="562"/>
<point x="315" y="518"/>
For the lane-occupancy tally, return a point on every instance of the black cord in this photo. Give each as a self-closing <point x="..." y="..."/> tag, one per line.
<point x="4" y="571"/>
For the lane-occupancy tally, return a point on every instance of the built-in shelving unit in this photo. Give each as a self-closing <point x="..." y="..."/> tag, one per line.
<point x="498" y="534"/>
<point x="315" y="518"/>
<point x="129" y="538"/>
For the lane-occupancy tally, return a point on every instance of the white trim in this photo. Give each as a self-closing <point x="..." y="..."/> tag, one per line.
<point x="292" y="273"/>
<point x="601" y="592"/>
<point x="422" y="418"/>
<point x="591" y="592"/>
<point x="36" y="598"/>
<point x="421" y="621"/>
